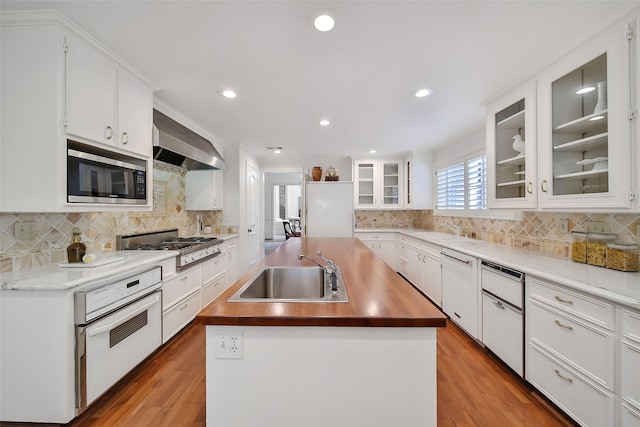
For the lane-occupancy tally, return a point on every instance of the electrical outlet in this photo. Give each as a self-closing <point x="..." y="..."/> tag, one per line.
<point x="597" y="227"/>
<point x="25" y="230"/>
<point x="229" y="345"/>
<point x="564" y="225"/>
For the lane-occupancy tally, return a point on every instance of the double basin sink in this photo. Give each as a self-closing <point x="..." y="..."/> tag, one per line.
<point x="291" y="284"/>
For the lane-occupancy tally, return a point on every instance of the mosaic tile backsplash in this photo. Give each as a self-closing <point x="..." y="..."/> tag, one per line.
<point x="537" y="231"/>
<point x="99" y="229"/>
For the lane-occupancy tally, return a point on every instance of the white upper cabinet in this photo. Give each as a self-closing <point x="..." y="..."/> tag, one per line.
<point x="418" y="175"/>
<point x="59" y="83"/>
<point x="378" y="184"/>
<point x="105" y="103"/>
<point x="584" y="140"/>
<point x="511" y="149"/>
<point x="204" y="190"/>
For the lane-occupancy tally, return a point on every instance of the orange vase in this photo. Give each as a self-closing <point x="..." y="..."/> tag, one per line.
<point x="316" y="173"/>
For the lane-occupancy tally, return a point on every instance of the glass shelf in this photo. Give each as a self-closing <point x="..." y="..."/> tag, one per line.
<point x="582" y="174"/>
<point x="590" y="143"/>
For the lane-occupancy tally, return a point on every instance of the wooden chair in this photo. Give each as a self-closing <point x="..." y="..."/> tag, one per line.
<point x="288" y="232"/>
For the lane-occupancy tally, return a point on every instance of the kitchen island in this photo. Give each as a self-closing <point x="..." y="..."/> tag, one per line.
<point x="367" y="362"/>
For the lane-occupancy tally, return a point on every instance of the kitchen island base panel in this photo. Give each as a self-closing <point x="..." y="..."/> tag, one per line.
<point x="320" y="376"/>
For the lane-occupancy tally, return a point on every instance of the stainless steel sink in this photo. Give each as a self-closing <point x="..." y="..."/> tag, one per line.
<point x="291" y="284"/>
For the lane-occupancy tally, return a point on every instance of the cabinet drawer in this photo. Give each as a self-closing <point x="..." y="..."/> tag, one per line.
<point x="588" y="404"/>
<point x="631" y="325"/>
<point x="630" y="373"/>
<point x="180" y="314"/>
<point x="229" y="244"/>
<point x="591" y="309"/>
<point x="180" y="285"/>
<point x="214" y="267"/>
<point x="575" y="341"/>
<point x="431" y="249"/>
<point x="168" y="268"/>
<point x="388" y="237"/>
<point x="213" y="288"/>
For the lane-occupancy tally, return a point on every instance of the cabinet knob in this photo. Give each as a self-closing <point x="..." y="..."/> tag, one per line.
<point x="108" y="133"/>
<point x="125" y="138"/>
<point x="544" y="186"/>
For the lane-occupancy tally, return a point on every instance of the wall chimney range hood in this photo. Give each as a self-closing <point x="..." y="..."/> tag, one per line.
<point x="177" y="145"/>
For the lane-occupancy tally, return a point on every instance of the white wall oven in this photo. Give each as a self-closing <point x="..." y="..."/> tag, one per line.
<point x="118" y="324"/>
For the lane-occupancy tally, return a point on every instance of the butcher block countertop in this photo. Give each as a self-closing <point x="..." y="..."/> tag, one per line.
<point x="378" y="296"/>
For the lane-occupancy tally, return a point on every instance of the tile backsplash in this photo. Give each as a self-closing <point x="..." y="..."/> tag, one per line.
<point x="99" y="229"/>
<point x="537" y="231"/>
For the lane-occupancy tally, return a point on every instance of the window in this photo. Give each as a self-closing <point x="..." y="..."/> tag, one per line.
<point x="451" y="187"/>
<point x="477" y="183"/>
<point x="463" y="185"/>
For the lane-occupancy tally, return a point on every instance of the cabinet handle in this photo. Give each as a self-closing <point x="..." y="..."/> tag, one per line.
<point x="229" y="257"/>
<point x="184" y="306"/>
<point x="530" y="187"/>
<point x="566" y="301"/>
<point x="499" y="305"/>
<point x="125" y="138"/>
<point x="183" y="278"/>
<point x="569" y="380"/>
<point x="215" y="202"/>
<point x="557" y="322"/>
<point x="108" y="133"/>
<point x="544" y="186"/>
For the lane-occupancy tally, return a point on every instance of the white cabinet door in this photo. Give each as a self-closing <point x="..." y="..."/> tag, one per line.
<point x="584" y="140"/>
<point x="204" y="190"/>
<point x="378" y="184"/>
<point x="415" y="266"/>
<point x="460" y="290"/>
<point x="418" y="180"/>
<point x="432" y="278"/>
<point x="511" y="149"/>
<point x="91" y="93"/>
<point x="135" y="114"/>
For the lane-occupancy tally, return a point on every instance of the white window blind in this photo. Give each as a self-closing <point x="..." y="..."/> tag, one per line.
<point x="450" y="182"/>
<point x="477" y="183"/>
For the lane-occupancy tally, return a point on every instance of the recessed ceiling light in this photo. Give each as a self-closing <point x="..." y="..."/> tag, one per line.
<point x="372" y="151"/>
<point x="324" y="20"/>
<point x="422" y="92"/>
<point x="277" y="151"/>
<point x="228" y="93"/>
<point x="324" y="122"/>
<point x="584" y="90"/>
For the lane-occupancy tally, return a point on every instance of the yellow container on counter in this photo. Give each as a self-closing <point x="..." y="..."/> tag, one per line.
<point x="623" y="256"/>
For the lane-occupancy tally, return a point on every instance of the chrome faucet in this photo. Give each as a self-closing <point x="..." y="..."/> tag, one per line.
<point x="329" y="269"/>
<point x="454" y="228"/>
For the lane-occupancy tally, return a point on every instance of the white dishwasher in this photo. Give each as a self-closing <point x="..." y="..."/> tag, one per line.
<point x="502" y="313"/>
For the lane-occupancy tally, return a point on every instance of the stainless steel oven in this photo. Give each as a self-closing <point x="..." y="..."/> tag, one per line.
<point x="118" y="324"/>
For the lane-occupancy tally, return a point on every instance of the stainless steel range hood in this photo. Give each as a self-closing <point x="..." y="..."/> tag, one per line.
<point x="177" y="145"/>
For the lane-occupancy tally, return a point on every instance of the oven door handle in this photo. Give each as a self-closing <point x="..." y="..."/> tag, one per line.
<point x="120" y="321"/>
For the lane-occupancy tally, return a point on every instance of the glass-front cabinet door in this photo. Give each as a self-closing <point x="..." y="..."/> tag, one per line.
<point x="511" y="149"/>
<point x="365" y="196"/>
<point x="378" y="184"/>
<point x="585" y="141"/>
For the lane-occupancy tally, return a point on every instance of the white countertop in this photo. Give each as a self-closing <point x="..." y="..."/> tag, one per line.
<point x="615" y="286"/>
<point x="52" y="277"/>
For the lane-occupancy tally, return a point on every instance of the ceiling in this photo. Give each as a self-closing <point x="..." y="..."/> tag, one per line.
<point x="360" y="76"/>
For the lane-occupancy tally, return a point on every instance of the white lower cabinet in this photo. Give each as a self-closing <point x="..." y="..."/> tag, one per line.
<point x="432" y="273"/>
<point x="571" y="351"/>
<point x="181" y="299"/>
<point x="214" y="278"/>
<point x="383" y="244"/>
<point x="630" y="368"/>
<point x="585" y="402"/>
<point x="179" y="315"/>
<point x="230" y="253"/>
<point x="460" y="290"/>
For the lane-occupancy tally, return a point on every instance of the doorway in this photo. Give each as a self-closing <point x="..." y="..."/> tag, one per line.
<point x="282" y="202"/>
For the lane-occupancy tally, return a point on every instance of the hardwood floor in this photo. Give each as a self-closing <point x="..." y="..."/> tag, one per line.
<point x="474" y="389"/>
